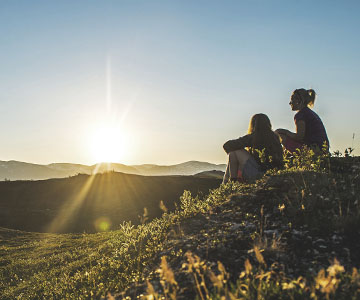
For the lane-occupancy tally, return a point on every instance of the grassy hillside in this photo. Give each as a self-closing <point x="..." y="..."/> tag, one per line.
<point x="294" y="234"/>
<point x="85" y="203"/>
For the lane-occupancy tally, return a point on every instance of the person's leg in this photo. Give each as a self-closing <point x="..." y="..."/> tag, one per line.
<point x="242" y="157"/>
<point x="227" y="173"/>
<point x="233" y="165"/>
<point x="290" y="144"/>
<point x="237" y="160"/>
<point x="231" y="168"/>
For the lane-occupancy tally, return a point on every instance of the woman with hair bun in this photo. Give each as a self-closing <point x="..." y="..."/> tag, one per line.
<point x="310" y="130"/>
<point x="263" y="151"/>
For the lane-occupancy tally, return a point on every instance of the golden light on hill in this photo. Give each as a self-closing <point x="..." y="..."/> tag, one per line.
<point x="70" y="207"/>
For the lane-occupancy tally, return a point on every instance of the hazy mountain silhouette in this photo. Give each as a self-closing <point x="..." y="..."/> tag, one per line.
<point x="78" y="203"/>
<point x="15" y="170"/>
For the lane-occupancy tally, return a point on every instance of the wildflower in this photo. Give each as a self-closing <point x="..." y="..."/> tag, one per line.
<point x="163" y="207"/>
<point x="248" y="267"/>
<point x="281" y="207"/>
<point x="259" y="256"/>
<point x="335" y="268"/>
<point x="288" y="286"/>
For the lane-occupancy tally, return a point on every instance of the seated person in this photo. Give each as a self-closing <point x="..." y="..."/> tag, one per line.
<point x="310" y="130"/>
<point x="263" y="152"/>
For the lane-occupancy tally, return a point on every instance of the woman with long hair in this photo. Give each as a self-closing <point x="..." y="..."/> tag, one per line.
<point x="310" y="130"/>
<point x="252" y="154"/>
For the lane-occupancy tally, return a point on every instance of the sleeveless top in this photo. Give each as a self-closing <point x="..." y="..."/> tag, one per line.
<point x="315" y="133"/>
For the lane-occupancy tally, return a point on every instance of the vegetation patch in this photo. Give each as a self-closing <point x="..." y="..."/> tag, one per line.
<point x="294" y="234"/>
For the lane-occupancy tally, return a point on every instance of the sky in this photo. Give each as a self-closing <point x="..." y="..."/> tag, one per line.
<point x="166" y="82"/>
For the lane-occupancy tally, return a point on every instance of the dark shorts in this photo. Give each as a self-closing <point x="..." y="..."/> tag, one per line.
<point x="250" y="171"/>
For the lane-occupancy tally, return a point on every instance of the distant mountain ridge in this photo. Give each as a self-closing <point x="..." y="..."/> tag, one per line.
<point x="16" y="170"/>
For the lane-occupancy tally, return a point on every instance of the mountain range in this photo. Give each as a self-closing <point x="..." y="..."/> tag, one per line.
<point x="16" y="170"/>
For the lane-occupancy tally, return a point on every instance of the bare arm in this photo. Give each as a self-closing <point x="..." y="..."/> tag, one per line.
<point x="300" y="132"/>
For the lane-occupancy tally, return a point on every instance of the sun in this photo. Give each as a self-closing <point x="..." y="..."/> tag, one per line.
<point x="108" y="143"/>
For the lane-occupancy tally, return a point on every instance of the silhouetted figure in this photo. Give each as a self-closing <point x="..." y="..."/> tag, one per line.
<point x="263" y="152"/>
<point x="310" y="130"/>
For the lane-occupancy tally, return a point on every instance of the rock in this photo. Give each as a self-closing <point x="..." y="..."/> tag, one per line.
<point x="271" y="232"/>
<point x="235" y="227"/>
<point x="319" y="241"/>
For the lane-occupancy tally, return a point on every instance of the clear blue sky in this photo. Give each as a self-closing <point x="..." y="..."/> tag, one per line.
<point x="178" y="78"/>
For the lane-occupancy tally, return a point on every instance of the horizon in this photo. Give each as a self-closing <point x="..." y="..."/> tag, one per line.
<point x="169" y="82"/>
<point x="104" y="162"/>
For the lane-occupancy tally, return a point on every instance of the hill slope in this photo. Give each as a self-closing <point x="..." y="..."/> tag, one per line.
<point x="276" y="239"/>
<point x="84" y="202"/>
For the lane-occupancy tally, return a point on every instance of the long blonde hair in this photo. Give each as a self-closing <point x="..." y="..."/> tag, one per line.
<point x="264" y="138"/>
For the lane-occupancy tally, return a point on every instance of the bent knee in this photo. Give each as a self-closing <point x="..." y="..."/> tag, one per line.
<point x="239" y="152"/>
<point x="240" y="155"/>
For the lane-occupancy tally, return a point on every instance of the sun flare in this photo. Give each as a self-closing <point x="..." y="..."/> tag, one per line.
<point x="108" y="144"/>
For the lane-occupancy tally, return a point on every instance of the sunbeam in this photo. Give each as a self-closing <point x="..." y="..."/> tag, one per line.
<point x="72" y="206"/>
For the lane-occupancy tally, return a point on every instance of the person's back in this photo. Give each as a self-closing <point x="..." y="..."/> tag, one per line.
<point x="264" y="151"/>
<point x="315" y="133"/>
<point x="267" y="152"/>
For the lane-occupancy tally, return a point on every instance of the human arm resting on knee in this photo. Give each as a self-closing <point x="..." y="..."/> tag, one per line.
<point x="237" y="144"/>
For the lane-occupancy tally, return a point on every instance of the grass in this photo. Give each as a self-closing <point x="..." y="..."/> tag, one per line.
<point x="79" y="266"/>
<point x="256" y="241"/>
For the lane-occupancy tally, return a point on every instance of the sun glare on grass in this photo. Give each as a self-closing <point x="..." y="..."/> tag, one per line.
<point x="108" y="144"/>
<point x="102" y="224"/>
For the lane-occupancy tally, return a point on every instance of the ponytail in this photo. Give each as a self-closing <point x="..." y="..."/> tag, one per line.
<point x="308" y="96"/>
<point x="311" y="97"/>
